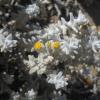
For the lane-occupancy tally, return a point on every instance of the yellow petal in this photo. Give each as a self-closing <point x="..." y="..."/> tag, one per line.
<point x="55" y="45"/>
<point x="37" y="45"/>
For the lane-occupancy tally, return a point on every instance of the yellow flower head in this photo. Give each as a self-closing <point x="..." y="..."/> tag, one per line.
<point x="55" y="44"/>
<point x="37" y="45"/>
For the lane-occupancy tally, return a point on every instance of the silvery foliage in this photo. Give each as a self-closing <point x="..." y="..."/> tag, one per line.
<point x="6" y="42"/>
<point x="39" y="64"/>
<point x="51" y="32"/>
<point x="57" y="79"/>
<point x="94" y="43"/>
<point x="81" y="19"/>
<point x="69" y="45"/>
<point x="32" y="10"/>
<point x="74" y="22"/>
<point x="30" y="94"/>
<point x="30" y="62"/>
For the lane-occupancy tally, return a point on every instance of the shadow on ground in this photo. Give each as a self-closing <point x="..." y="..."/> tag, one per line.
<point x="93" y="10"/>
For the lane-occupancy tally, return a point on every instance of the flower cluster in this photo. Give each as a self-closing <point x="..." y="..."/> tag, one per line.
<point x="55" y="42"/>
